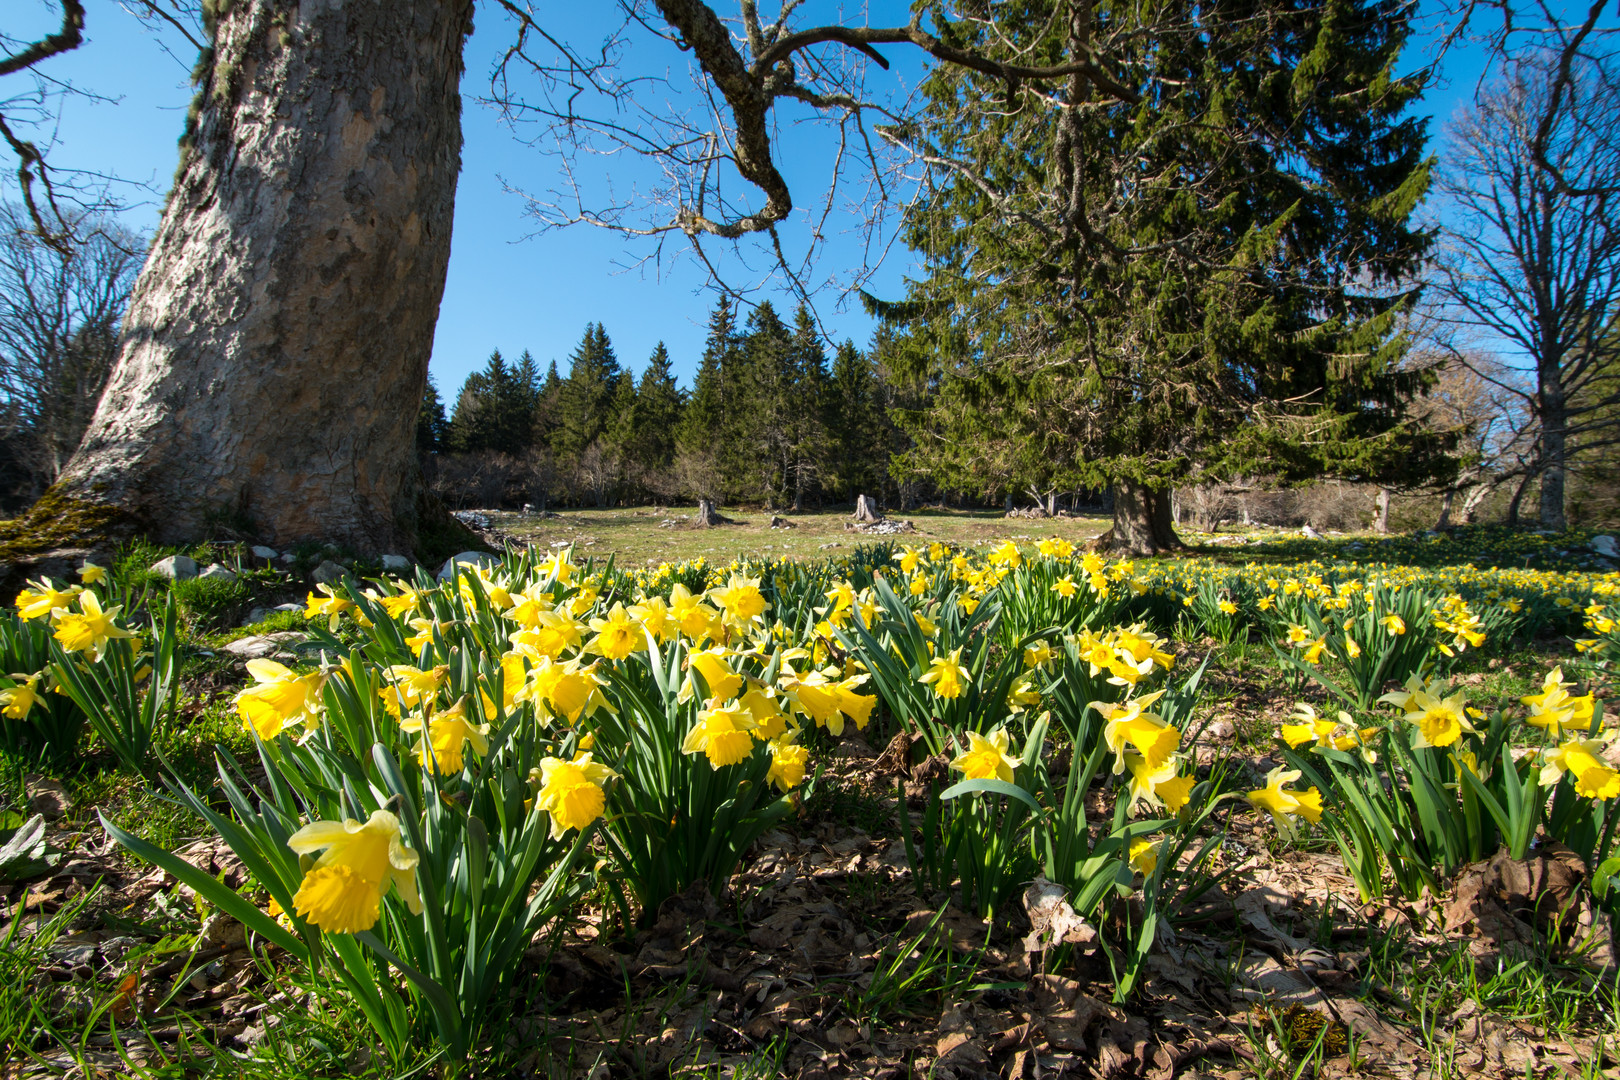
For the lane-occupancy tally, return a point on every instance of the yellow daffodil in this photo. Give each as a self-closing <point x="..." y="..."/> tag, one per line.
<point x="724" y="733"/>
<point x="571" y="792"/>
<point x="1284" y="804"/>
<point x="342" y="892"/>
<point x="986" y="757"/>
<point x="740" y="600"/>
<point x="89" y="629"/>
<point x="19" y="699"/>
<point x="654" y="615"/>
<point x="41" y="599"/>
<point x="947" y="676"/>
<point x="91" y="574"/>
<point x="1582" y="759"/>
<point x="328" y="603"/>
<point x="788" y="763"/>
<point x="279" y="699"/>
<point x="1144" y="857"/>
<point x="618" y="635"/>
<point x="1065" y="587"/>
<point x="448" y="734"/>
<point x="1393" y="624"/>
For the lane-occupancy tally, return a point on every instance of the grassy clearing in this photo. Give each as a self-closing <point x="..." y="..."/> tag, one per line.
<point x="638" y="536"/>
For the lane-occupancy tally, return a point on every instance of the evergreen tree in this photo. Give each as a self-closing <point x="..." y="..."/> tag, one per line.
<point x="1202" y="284"/>
<point x="657" y="415"/>
<point x="493" y="409"/>
<point x="431" y="424"/>
<point x="586" y="396"/>
<point x="756" y="453"/>
<point x="547" y="403"/>
<point x="698" y="437"/>
<point x="807" y="421"/>
<point x="854" y="424"/>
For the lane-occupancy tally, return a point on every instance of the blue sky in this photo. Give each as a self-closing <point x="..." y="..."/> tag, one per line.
<point x="507" y="288"/>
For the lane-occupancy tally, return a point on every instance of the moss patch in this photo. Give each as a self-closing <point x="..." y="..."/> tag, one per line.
<point x="60" y="520"/>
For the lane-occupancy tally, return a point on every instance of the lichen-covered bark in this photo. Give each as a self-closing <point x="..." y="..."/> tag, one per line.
<point x="276" y="346"/>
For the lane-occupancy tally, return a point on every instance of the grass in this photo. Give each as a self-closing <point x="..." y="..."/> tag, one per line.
<point x="637" y="536"/>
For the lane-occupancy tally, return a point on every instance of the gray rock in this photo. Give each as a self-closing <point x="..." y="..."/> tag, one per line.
<point x="466" y="558"/>
<point x="218" y="571"/>
<point x="1605" y="546"/>
<point x="288" y="558"/>
<point x="261" y="552"/>
<point x="257" y="645"/>
<point x="259" y="614"/>
<point x="328" y="573"/>
<point x="176" y="568"/>
<point x="396" y="564"/>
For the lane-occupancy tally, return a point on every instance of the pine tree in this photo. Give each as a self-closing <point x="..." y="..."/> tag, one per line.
<point x="699" y="433"/>
<point x="807" y="422"/>
<point x="585" y="401"/>
<point x="657" y="414"/>
<point x="756" y="451"/>
<point x="431" y="424"/>
<point x="854" y="424"/>
<point x="547" y="404"/>
<point x="1203" y="284"/>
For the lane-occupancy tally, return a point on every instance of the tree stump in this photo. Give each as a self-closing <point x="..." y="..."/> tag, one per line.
<point x="866" y="510"/>
<point x="782" y="523"/>
<point x="707" y="516"/>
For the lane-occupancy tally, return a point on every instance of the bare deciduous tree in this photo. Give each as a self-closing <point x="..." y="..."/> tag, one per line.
<point x="1532" y="248"/>
<point x="60" y="308"/>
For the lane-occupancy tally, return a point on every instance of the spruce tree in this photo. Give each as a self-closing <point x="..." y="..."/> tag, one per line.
<point x="1199" y="285"/>
<point x="657" y="414"/>
<point x="756" y="450"/>
<point x="585" y="401"/>
<point x="547" y="405"/>
<point x="698" y="438"/>
<point x="854" y="424"/>
<point x="807" y="421"/>
<point x="430" y="420"/>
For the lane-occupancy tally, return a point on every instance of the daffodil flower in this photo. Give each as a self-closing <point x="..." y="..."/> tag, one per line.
<point x="947" y="676"/>
<point x="740" y="600"/>
<point x="1582" y="759"/>
<point x="571" y="792"/>
<point x="41" y="600"/>
<point x="448" y="734"/>
<point x="788" y="762"/>
<point x="279" y="699"/>
<point x="1144" y="857"/>
<point x="342" y="892"/>
<point x="92" y="574"/>
<point x="724" y="733"/>
<point x="90" y="629"/>
<point x="19" y="699"/>
<point x="328" y="603"/>
<point x="1284" y="804"/>
<point x="618" y="635"/>
<point x="986" y="757"/>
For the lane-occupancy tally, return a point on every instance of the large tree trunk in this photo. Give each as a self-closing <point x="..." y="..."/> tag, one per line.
<point x="1381" y="508"/>
<point x="276" y="347"/>
<point x="1142" y="524"/>
<point x="1554" y="417"/>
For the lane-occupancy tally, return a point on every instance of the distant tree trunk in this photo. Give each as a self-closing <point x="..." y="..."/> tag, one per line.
<point x="1142" y="524"/>
<point x="708" y="517"/>
<point x="1554" y="418"/>
<point x="1444" y="520"/>
<point x="866" y="510"/>
<point x="1381" y="517"/>
<point x="1518" y="497"/>
<point x="275" y="352"/>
